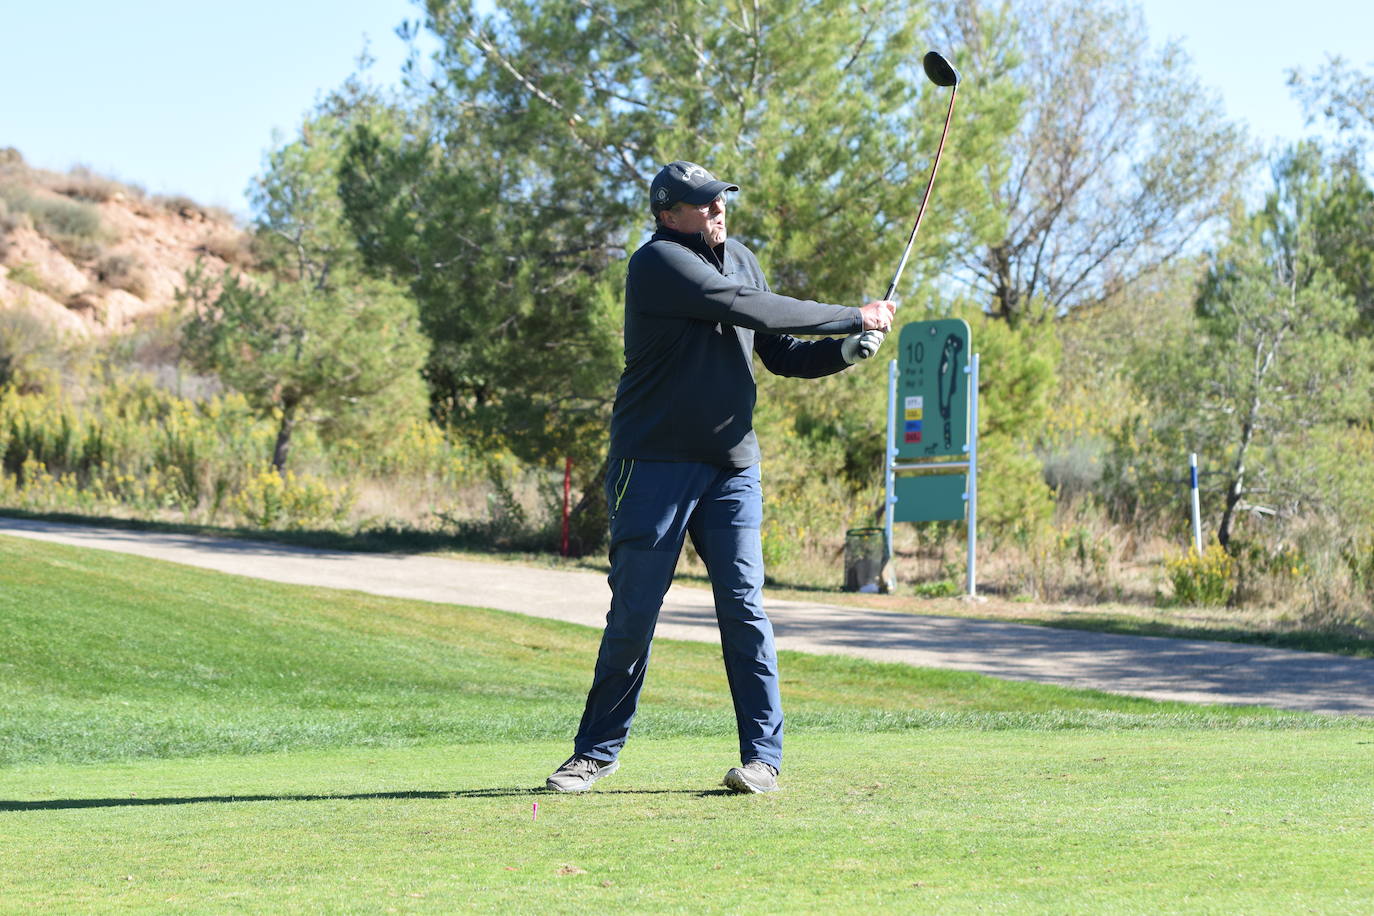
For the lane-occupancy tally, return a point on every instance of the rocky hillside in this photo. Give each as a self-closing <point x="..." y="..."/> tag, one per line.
<point x="91" y="256"/>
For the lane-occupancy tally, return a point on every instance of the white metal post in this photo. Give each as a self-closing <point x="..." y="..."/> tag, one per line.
<point x="1197" y="512"/>
<point x="890" y="475"/>
<point x="972" y="370"/>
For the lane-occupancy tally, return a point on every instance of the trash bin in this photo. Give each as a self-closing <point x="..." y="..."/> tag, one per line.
<point x="865" y="551"/>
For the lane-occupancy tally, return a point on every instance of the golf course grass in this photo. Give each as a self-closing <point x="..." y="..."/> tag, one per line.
<point x="180" y="740"/>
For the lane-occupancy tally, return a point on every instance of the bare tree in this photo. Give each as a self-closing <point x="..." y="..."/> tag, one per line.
<point x="1119" y="159"/>
<point x="1270" y="386"/>
<point x="1344" y="97"/>
<point x="1338" y="92"/>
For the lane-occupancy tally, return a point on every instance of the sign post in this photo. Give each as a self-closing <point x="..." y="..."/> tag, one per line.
<point x="933" y="384"/>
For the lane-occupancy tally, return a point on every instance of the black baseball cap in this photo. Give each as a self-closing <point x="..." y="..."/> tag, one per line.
<point x="686" y="182"/>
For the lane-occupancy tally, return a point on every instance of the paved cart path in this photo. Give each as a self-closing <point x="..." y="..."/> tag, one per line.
<point x="1195" y="671"/>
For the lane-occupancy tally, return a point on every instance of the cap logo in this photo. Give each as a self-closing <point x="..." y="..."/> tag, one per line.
<point x="693" y="171"/>
<point x="662" y="193"/>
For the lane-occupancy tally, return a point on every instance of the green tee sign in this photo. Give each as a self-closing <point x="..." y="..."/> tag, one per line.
<point x="932" y="389"/>
<point x="932" y="417"/>
<point x="930" y="498"/>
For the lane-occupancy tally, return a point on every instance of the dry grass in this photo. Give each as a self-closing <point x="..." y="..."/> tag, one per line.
<point x="418" y="503"/>
<point x="185" y="207"/>
<point x="10" y="221"/>
<point x="122" y="271"/>
<point x="232" y="247"/>
<point x="83" y="184"/>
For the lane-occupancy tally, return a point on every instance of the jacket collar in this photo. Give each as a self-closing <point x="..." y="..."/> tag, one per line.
<point x="695" y="241"/>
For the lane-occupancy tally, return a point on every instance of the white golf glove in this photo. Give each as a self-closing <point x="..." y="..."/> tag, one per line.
<point x="861" y="346"/>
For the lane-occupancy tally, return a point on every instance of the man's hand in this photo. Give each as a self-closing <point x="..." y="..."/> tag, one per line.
<point x="861" y="346"/>
<point x="878" y="315"/>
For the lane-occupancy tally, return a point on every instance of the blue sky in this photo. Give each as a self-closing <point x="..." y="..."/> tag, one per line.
<point x="184" y="97"/>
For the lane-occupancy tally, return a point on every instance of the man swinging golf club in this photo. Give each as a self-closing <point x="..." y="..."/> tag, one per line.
<point x="684" y="461"/>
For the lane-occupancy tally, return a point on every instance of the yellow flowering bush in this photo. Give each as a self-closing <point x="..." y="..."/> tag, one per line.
<point x="129" y="447"/>
<point x="780" y="545"/>
<point x="272" y="500"/>
<point x="1202" y="580"/>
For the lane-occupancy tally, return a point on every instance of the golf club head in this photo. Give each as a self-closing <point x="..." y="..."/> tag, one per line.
<point x="940" y="71"/>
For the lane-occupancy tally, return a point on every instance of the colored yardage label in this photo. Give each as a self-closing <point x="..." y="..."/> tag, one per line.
<point x="912" y="415"/>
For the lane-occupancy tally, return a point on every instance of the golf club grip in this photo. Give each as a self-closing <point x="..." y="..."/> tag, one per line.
<point x="925" y="198"/>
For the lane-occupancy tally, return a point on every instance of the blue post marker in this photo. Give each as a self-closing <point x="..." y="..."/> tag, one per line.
<point x="1197" y="512"/>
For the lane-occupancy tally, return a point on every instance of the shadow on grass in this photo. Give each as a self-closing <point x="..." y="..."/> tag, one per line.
<point x="474" y="537"/>
<point x="1335" y="643"/>
<point x="1332" y="640"/>
<point x="68" y="804"/>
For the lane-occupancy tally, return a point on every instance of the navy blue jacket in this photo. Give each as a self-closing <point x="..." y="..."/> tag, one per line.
<point x="688" y="391"/>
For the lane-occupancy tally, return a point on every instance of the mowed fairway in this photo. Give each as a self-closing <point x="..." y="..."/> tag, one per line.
<point x="178" y="740"/>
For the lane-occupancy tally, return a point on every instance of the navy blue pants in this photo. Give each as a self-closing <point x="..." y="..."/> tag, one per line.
<point x="654" y="506"/>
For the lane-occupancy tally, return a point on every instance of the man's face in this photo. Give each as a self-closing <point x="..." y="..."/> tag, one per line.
<point x="708" y="219"/>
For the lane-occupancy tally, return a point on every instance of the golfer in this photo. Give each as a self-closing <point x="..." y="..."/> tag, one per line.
<point x="684" y="461"/>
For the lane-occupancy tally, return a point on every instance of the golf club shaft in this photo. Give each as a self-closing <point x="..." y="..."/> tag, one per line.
<point x="925" y="198"/>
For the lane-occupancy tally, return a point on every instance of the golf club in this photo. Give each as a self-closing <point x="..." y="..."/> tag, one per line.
<point x="942" y="73"/>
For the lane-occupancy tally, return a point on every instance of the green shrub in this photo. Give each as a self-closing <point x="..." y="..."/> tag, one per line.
<point x="940" y="588"/>
<point x="24" y="274"/>
<point x="33" y="355"/>
<point x="73" y="226"/>
<point x="780" y="549"/>
<point x="1359" y="558"/>
<point x="1018" y="379"/>
<point x="57" y="218"/>
<point x="506" y="514"/>
<point x="820" y="475"/>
